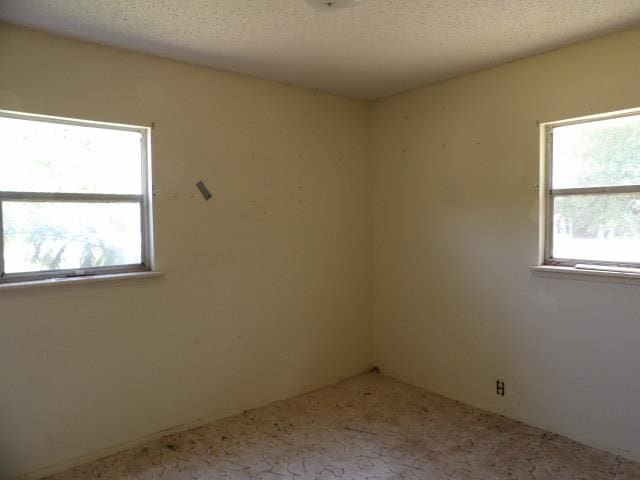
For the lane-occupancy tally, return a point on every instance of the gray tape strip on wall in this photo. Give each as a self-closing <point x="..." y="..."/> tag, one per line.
<point x="206" y="194"/>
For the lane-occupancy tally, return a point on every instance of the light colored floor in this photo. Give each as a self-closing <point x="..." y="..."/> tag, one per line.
<point x="368" y="427"/>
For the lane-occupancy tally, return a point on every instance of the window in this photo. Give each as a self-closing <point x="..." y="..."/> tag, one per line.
<point x="74" y="198"/>
<point x="590" y="192"/>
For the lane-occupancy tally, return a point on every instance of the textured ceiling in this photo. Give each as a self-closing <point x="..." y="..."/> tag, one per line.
<point x="376" y="48"/>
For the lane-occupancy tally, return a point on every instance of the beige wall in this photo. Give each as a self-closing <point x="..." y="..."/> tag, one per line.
<point x="266" y="287"/>
<point x="455" y="229"/>
<point x="265" y="292"/>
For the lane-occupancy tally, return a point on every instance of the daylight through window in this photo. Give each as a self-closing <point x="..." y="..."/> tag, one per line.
<point x="73" y="198"/>
<point x="592" y="195"/>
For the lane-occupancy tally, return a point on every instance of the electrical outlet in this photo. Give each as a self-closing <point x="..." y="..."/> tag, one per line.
<point x="500" y="387"/>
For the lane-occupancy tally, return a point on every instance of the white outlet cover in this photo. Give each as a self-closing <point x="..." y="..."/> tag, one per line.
<point x="331" y="5"/>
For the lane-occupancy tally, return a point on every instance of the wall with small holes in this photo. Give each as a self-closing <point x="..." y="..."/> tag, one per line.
<point x="265" y="292"/>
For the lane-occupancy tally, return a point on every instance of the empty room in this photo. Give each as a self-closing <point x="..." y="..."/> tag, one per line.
<point x="312" y="239"/>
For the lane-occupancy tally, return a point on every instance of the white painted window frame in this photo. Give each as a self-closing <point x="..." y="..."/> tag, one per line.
<point x="145" y="200"/>
<point x="547" y="193"/>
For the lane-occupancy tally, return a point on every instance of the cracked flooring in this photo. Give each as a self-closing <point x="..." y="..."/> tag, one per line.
<point x="368" y="427"/>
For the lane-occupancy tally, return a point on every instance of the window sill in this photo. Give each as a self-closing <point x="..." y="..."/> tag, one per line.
<point x="78" y="280"/>
<point x="586" y="274"/>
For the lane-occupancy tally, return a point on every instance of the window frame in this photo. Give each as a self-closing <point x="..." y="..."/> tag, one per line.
<point x="547" y="194"/>
<point x="144" y="199"/>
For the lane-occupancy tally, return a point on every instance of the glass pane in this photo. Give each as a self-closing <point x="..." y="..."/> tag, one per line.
<point x="597" y="227"/>
<point x="37" y="156"/>
<point x="597" y="154"/>
<point x="49" y="236"/>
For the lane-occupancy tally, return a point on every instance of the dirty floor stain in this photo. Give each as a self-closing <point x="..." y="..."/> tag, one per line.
<point x="368" y="427"/>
